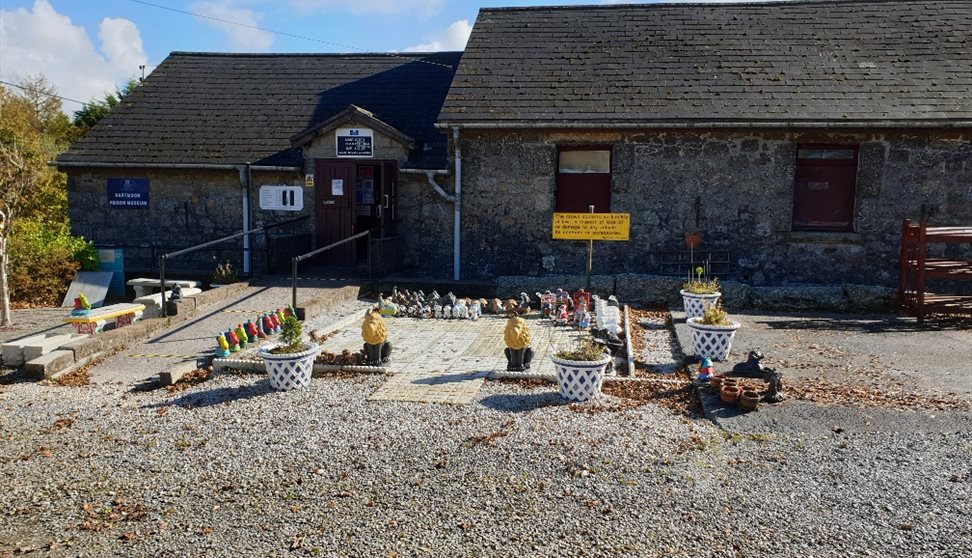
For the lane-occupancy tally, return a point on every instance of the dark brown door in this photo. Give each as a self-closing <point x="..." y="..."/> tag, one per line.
<point x="823" y="191"/>
<point x="334" y="215"/>
<point x="583" y="179"/>
<point x="388" y="198"/>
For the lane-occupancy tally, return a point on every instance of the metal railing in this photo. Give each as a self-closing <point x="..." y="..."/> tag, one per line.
<point x="297" y="259"/>
<point x="204" y="245"/>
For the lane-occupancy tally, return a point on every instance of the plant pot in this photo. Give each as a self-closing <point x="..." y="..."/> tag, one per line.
<point x="518" y="360"/>
<point x="693" y="239"/>
<point x="749" y="400"/>
<point x="290" y="370"/>
<point x="715" y="381"/>
<point x="729" y="394"/>
<point x="695" y="304"/>
<point x="712" y="341"/>
<point x="580" y="380"/>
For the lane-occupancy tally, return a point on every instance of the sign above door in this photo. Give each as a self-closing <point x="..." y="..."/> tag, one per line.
<point x="355" y="142"/>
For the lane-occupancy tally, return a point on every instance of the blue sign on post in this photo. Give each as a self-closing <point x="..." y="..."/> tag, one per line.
<point x="128" y="192"/>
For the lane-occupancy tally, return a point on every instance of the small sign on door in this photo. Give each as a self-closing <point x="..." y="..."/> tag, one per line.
<point x="337" y="186"/>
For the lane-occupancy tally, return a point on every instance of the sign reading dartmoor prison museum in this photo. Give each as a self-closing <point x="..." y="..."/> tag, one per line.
<point x="128" y="192"/>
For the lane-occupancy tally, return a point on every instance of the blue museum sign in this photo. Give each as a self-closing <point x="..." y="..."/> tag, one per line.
<point x="128" y="192"/>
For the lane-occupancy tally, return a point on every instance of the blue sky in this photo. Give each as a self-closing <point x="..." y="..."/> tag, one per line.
<point x="85" y="47"/>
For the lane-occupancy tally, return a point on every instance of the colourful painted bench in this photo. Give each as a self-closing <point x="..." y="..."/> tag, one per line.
<point x="95" y="321"/>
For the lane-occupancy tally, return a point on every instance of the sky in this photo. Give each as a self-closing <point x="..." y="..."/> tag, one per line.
<point x="86" y="48"/>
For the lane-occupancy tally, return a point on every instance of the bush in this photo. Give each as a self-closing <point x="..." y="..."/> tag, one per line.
<point x="43" y="261"/>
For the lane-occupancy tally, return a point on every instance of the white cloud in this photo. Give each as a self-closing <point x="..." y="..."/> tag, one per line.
<point x="425" y="7"/>
<point x="43" y="41"/>
<point x="240" y="38"/>
<point x="453" y="38"/>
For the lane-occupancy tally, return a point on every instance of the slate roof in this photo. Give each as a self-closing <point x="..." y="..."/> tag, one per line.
<point x="205" y="108"/>
<point x="813" y="63"/>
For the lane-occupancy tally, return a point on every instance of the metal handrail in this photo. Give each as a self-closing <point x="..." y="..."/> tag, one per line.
<point x="297" y="259"/>
<point x="191" y="249"/>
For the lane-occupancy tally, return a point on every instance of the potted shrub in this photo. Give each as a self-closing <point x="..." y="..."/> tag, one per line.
<point x="712" y="333"/>
<point x="224" y="275"/>
<point x="290" y="363"/>
<point x="698" y="293"/>
<point x="580" y="371"/>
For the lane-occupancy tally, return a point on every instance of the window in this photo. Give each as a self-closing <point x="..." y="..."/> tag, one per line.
<point x="583" y="179"/>
<point x="823" y="189"/>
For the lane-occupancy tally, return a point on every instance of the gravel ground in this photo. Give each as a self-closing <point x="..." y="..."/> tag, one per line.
<point x="229" y="468"/>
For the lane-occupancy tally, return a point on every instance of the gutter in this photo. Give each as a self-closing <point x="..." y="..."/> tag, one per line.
<point x="682" y="124"/>
<point x="457" y="204"/>
<point x="188" y="166"/>
<point x="430" y="176"/>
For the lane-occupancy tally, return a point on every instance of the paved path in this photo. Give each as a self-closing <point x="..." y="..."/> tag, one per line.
<point x="31" y="321"/>
<point x="196" y="339"/>
<point x="445" y="361"/>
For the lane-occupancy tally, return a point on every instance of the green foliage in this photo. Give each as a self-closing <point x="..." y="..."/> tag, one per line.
<point x="94" y="110"/>
<point x="701" y="284"/>
<point x="43" y="261"/>
<point x="584" y="350"/>
<point x="290" y="334"/>
<point x="715" y="316"/>
<point x="225" y="274"/>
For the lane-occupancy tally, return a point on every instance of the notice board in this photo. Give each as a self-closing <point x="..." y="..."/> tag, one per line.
<point x="591" y="226"/>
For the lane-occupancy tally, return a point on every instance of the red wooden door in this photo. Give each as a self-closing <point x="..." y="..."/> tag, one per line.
<point x="334" y="215"/>
<point x="388" y="198"/>
<point x="823" y="190"/>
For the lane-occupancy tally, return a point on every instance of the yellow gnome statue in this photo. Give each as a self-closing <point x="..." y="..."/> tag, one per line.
<point x="375" y="334"/>
<point x="518" y="351"/>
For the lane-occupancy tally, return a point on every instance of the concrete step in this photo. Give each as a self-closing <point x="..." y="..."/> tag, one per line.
<point x="153" y="302"/>
<point x="12" y="352"/>
<point x="47" y="345"/>
<point x="48" y="365"/>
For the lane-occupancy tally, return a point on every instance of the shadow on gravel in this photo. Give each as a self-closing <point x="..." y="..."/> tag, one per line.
<point x="877" y="323"/>
<point x="218" y="396"/>
<point x="521" y="403"/>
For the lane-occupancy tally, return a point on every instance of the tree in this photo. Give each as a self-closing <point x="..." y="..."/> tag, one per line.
<point x="16" y="177"/>
<point x="95" y="110"/>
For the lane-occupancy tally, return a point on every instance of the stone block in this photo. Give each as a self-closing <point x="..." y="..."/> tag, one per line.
<point x="153" y="302"/>
<point x="510" y="286"/>
<point x="84" y="347"/>
<point x="869" y="299"/>
<point x="12" y="352"/>
<point x="651" y="289"/>
<point x="47" y="345"/>
<point x="735" y="295"/>
<point x="47" y="365"/>
<point x="800" y="297"/>
<point x="176" y="372"/>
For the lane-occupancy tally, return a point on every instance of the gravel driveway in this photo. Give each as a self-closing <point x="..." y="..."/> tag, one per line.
<point x="229" y="468"/>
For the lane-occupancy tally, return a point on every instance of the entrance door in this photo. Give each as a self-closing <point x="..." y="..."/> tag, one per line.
<point x="388" y="199"/>
<point x="334" y="217"/>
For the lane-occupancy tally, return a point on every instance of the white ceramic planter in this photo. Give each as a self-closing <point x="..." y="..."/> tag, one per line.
<point x="290" y="370"/>
<point x="695" y="304"/>
<point x="712" y="341"/>
<point x="580" y="380"/>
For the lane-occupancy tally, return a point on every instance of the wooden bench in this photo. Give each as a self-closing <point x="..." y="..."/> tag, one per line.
<point x="95" y="321"/>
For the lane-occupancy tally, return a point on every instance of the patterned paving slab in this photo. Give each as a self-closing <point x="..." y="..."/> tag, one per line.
<point x="445" y="361"/>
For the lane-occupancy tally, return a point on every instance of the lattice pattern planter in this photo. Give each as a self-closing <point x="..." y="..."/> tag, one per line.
<point x="695" y="304"/>
<point x="290" y="371"/>
<point x="712" y="341"/>
<point x="580" y="380"/>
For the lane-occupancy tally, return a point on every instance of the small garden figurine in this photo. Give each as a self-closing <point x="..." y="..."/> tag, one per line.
<point x="81" y="306"/>
<point x="224" y="349"/>
<point x="518" y="352"/>
<point x="224" y="274"/>
<point x="375" y="334"/>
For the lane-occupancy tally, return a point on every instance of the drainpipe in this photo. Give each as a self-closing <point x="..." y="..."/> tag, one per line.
<point x="247" y="179"/>
<point x="458" y="204"/>
<point x="430" y="176"/>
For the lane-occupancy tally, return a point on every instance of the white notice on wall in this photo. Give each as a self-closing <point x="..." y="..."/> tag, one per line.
<point x="337" y="187"/>
<point x="281" y="198"/>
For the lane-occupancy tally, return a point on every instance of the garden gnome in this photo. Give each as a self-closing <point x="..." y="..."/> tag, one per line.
<point x="224" y="349"/>
<point x="375" y="334"/>
<point x="233" y="340"/>
<point x="267" y="325"/>
<point x="241" y="335"/>
<point x="705" y="369"/>
<point x="251" y="331"/>
<point x="583" y="321"/>
<point x="518" y="352"/>
<point x="562" y="317"/>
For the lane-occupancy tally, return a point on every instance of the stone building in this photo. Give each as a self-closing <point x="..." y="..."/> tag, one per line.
<point x="793" y="136"/>
<point x="212" y="144"/>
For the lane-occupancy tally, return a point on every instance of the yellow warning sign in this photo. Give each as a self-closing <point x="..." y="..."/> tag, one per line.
<point x="591" y="226"/>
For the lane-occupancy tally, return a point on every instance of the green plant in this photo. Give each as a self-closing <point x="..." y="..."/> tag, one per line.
<point x="715" y="316"/>
<point x="43" y="260"/>
<point x="291" y="333"/>
<point x="701" y="283"/>
<point x="225" y="274"/>
<point x="586" y="350"/>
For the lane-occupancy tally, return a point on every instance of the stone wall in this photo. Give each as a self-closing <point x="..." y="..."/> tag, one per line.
<point x="745" y="181"/>
<point x="185" y="208"/>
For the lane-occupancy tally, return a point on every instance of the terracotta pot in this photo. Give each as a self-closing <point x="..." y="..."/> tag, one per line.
<point x="693" y="239"/>
<point x="715" y="381"/>
<point x="729" y="394"/>
<point x="749" y="400"/>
